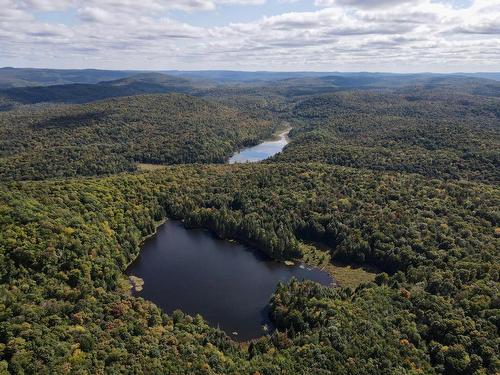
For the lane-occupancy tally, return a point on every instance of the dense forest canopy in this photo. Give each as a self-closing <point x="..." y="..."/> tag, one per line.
<point x="443" y="134"/>
<point x="111" y="136"/>
<point x="402" y="177"/>
<point x="442" y="253"/>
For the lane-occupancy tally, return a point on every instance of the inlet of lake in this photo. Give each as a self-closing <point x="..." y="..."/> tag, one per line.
<point x="227" y="283"/>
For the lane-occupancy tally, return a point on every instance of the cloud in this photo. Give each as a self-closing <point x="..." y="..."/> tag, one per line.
<point x="487" y="28"/>
<point x="93" y="14"/>
<point x="45" y="5"/>
<point x="151" y="6"/>
<point x="367" y="4"/>
<point x="339" y="35"/>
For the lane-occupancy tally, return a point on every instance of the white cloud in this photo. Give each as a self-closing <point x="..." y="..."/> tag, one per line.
<point x="45" y="5"/>
<point x="340" y="35"/>
<point x="363" y="3"/>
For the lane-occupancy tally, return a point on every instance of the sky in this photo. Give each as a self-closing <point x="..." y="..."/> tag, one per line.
<point x="272" y="35"/>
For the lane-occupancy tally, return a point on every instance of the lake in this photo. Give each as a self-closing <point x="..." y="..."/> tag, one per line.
<point x="262" y="151"/>
<point x="227" y="283"/>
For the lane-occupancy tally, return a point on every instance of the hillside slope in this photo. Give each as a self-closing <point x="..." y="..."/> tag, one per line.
<point x="145" y="83"/>
<point x="24" y="77"/>
<point x="110" y="136"/>
<point x="436" y="131"/>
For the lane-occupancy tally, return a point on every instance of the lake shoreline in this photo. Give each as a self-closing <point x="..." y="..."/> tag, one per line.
<point x="279" y="135"/>
<point x="259" y="250"/>
<point x="136" y="284"/>
<point x="191" y="268"/>
<point x="250" y="245"/>
<point x="157" y="224"/>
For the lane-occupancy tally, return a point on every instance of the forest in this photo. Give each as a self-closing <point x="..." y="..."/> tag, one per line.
<point x="113" y="135"/>
<point x="404" y="179"/>
<point x="436" y="133"/>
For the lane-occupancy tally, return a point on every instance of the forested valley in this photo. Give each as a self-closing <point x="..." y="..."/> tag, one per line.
<point x="403" y="178"/>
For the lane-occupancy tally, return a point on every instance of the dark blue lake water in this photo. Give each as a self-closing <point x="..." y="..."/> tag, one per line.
<point x="226" y="282"/>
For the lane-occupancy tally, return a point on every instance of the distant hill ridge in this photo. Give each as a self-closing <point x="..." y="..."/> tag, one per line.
<point x="143" y="83"/>
<point x="22" y="77"/>
<point x="211" y="84"/>
<point x="150" y="77"/>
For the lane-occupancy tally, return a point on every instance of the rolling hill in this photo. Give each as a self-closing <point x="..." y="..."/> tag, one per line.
<point x="82" y="93"/>
<point x="112" y="135"/>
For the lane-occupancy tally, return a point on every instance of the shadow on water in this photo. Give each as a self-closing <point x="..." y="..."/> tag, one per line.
<point x="227" y="283"/>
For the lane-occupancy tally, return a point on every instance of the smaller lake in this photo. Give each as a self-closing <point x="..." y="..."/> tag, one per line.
<point x="225" y="282"/>
<point x="262" y="151"/>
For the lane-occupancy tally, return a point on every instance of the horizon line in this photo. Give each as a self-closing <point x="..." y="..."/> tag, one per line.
<point x="259" y="71"/>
